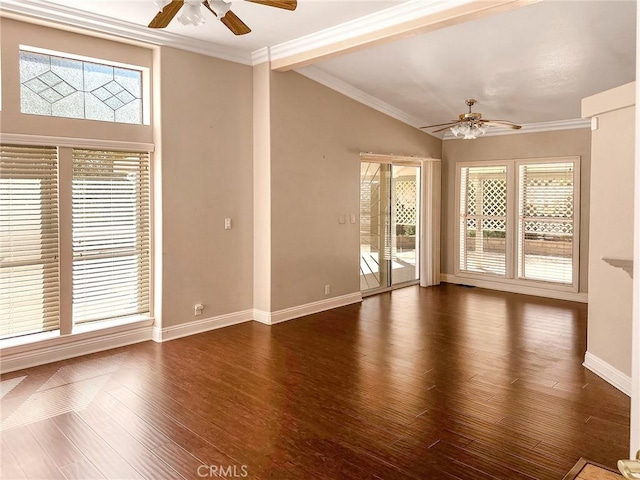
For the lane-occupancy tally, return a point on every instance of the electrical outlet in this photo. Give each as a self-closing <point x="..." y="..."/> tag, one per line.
<point x="197" y="309"/>
<point x="327" y="289"/>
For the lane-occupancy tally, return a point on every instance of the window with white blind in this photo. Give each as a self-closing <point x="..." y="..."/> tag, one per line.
<point x="110" y="234"/>
<point x="483" y="219"/>
<point x="519" y="220"/>
<point x="546" y="218"/>
<point x="29" y="267"/>
<point x="107" y="207"/>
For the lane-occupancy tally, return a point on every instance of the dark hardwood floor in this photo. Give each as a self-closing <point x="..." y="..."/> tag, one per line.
<point x="439" y="383"/>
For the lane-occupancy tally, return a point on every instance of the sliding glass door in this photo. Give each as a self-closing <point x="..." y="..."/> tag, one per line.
<point x="389" y="225"/>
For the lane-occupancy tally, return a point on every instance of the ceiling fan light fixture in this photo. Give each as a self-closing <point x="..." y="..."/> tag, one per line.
<point x="469" y="130"/>
<point x="220" y="7"/>
<point x="471" y="125"/>
<point x="191" y="13"/>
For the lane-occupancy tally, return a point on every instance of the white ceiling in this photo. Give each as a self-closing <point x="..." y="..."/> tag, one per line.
<point x="270" y="26"/>
<point x="532" y="64"/>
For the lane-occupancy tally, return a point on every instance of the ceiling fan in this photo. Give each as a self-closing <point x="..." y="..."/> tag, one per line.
<point x="220" y="8"/>
<point x="471" y="124"/>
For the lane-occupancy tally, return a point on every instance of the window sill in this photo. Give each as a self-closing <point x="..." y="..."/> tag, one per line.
<point x="529" y="288"/>
<point x="37" y="349"/>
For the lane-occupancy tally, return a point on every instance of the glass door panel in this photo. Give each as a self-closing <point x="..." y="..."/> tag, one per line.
<point x="389" y="225"/>
<point x="405" y="215"/>
<point x="375" y="236"/>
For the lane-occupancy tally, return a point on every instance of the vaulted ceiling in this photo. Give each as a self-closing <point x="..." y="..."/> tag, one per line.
<point x="532" y="64"/>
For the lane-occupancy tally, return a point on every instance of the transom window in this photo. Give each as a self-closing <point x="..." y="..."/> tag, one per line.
<point x="518" y="220"/>
<point x="59" y="86"/>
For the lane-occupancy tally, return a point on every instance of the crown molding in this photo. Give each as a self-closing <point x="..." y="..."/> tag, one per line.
<point x="368" y="24"/>
<point x="316" y="74"/>
<point x="261" y="55"/>
<point x="532" y="128"/>
<point x="51" y="14"/>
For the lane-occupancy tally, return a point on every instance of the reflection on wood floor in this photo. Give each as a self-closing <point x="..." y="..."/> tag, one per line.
<point x="439" y="383"/>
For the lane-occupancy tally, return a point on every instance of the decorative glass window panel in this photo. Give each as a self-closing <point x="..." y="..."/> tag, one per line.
<point x="63" y="87"/>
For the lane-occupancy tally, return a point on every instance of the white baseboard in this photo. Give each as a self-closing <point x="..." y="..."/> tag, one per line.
<point x="271" y="318"/>
<point x="58" y="348"/>
<point x="608" y="373"/>
<point x="513" y="288"/>
<point x="61" y="348"/>
<point x="200" y="326"/>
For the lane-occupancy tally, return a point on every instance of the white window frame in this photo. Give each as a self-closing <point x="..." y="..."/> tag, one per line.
<point x="65" y="146"/>
<point x="511" y="268"/>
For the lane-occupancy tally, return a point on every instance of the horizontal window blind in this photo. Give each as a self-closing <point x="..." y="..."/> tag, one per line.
<point x="111" y="234"/>
<point x="546" y="221"/>
<point x="483" y="219"/>
<point x="29" y="254"/>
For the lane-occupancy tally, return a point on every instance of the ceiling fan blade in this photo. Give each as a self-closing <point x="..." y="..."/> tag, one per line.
<point x="165" y="16"/>
<point x="502" y="123"/>
<point x="445" y="128"/>
<point x="286" y="4"/>
<point x="233" y="23"/>
<point x="452" y="122"/>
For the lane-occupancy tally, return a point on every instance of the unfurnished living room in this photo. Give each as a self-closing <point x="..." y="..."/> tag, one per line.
<point x="319" y="239"/>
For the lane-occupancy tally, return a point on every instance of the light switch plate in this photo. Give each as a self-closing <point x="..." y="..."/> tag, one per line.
<point x="353" y="218"/>
<point x="227" y="224"/>
<point x="342" y="219"/>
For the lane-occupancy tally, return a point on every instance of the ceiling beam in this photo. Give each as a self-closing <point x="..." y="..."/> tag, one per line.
<point x="408" y="19"/>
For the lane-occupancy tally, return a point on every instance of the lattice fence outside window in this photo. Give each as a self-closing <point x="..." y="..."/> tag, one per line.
<point x="406" y="201"/>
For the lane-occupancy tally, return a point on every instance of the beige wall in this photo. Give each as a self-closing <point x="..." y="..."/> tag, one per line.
<point x="203" y="121"/>
<point x="206" y="107"/>
<point x="519" y="146"/>
<point x="14" y="33"/>
<point x="611" y="232"/>
<point x="317" y="135"/>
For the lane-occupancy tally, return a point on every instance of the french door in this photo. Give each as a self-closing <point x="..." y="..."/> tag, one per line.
<point x="389" y="225"/>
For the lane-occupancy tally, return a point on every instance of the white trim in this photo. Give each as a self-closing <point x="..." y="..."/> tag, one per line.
<point x="608" y="373"/>
<point x="634" y="441"/>
<point x="261" y="55"/>
<point x="200" y="326"/>
<point x="513" y="288"/>
<point x="318" y="75"/>
<point x="531" y="128"/>
<point x="69" y="142"/>
<point x="390" y="17"/>
<point x="395" y="159"/>
<point x="271" y="318"/>
<point x="69" y="346"/>
<point x="52" y="14"/>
